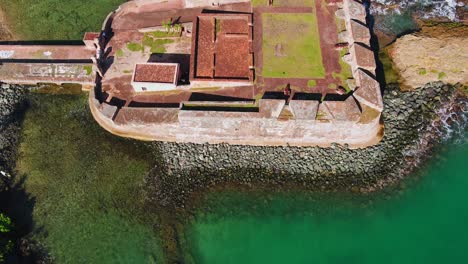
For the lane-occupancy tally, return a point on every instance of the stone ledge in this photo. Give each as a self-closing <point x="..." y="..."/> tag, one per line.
<point x="347" y="110"/>
<point x="368" y="91"/>
<point x="359" y="32"/>
<point x="362" y="57"/>
<point x="354" y="10"/>
<point x="304" y="109"/>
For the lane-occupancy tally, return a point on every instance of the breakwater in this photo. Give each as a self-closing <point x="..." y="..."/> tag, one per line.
<point x="11" y="107"/>
<point x="409" y="117"/>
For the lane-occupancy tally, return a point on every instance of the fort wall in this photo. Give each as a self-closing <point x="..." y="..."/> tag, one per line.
<point x="354" y="121"/>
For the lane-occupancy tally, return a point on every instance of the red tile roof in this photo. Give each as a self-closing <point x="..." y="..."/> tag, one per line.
<point x="155" y="72"/>
<point x="90" y="35"/>
<point x="221" y="46"/>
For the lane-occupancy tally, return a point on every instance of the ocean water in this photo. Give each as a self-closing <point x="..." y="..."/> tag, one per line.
<point x="426" y="223"/>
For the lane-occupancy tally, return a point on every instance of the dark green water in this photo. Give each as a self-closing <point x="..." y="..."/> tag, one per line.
<point x="426" y="224"/>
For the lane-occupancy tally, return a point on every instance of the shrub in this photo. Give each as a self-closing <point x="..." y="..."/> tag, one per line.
<point x="5" y="244"/>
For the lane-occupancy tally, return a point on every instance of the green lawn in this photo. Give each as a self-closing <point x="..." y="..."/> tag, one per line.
<point x="56" y="19"/>
<point x="291" y="46"/>
<point x="88" y="185"/>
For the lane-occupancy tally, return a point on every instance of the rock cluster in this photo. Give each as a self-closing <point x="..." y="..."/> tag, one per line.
<point x="448" y="9"/>
<point x="11" y="106"/>
<point x="408" y="116"/>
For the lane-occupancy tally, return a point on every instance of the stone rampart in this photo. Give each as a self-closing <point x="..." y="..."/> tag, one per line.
<point x="354" y="119"/>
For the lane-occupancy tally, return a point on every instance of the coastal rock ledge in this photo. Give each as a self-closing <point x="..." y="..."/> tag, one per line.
<point x="421" y="59"/>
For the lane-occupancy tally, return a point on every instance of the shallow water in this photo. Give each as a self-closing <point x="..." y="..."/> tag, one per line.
<point x="425" y="224"/>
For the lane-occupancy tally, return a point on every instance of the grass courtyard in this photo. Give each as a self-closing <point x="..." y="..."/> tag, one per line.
<point x="291" y="46"/>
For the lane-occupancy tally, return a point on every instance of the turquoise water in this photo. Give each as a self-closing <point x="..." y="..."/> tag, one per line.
<point x="428" y="223"/>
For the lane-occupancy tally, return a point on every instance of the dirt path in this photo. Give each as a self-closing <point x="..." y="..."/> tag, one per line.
<point x="5" y="32"/>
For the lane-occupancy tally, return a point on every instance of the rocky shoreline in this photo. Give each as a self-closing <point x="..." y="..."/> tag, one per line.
<point x="410" y="120"/>
<point x="188" y="169"/>
<point x="12" y="104"/>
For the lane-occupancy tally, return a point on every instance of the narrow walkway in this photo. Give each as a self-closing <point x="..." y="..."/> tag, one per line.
<point x="45" y="52"/>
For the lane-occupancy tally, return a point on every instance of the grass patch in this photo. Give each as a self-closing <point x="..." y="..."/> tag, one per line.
<point x="441" y="75"/>
<point x="54" y="19"/>
<point x="119" y="53"/>
<point x="156" y="45"/>
<point x="163" y="34"/>
<point x="88" y="69"/>
<point x="311" y="83"/>
<point x="345" y="72"/>
<point x="290" y="40"/>
<point x="132" y="46"/>
<point x="87" y="185"/>
<point x="422" y="71"/>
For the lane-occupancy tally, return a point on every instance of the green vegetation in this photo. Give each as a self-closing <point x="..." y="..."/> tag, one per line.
<point x="464" y="89"/>
<point x="87" y="185"/>
<point x="290" y="40"/>
<point x="56" y="19"/>
<point x="397" y="24"/>
<point x="156" y="45"/>
<point x="345" y="72"/>
<point x="163" y="34"/>
<point x="52" y="88"/>
<point x="127" y="71"/>
<point x="441" y="75"/>
<point x="119" y="53"/>
<point x="88" y="69"/>
<point x="422" y="71"/>
<point x="293" y="3"/>
<point x="332" y="86"/>
<point x="132" y="46"/>
<point x="217" y="26"/>
<point x="448" y="25"/>
<point x="171" y="27"/>
<point x="6" y="244"/>
<point x="311" y="83"/>
<point x="391" y="74"/>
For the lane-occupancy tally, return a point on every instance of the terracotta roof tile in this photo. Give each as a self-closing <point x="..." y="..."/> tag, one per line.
<point x="154" y="72"/>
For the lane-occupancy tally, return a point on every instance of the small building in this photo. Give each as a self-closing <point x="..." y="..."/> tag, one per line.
<point x="90" y="39"/>
<point x="155" y="77"/>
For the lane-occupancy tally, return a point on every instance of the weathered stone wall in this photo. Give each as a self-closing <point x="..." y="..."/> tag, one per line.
<point x="262" y="128"/>
<point x="58" y="73"/>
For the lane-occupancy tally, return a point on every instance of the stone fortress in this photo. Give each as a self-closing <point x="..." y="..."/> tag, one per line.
<point x="226" y="71"/>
